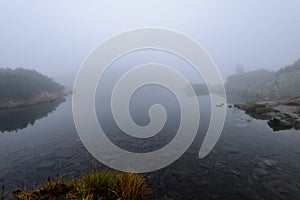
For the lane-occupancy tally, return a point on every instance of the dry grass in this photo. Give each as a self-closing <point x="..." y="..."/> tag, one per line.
<point x="292" y="102"/>
<point x="103" y="185"/>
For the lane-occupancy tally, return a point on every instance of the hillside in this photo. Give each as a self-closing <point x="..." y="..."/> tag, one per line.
<point x="242" y="82"/>
<point x="285" y="85"/>
<point x="263" y="84"/>
<point x="23" y="87"/>
<point x="25" y="84"/>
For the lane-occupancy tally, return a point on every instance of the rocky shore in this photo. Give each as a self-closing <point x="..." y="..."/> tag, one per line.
<point x="280" y="114"/>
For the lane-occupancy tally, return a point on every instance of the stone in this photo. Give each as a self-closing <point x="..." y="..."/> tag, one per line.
<point x="278" y="123"/>
<point x="261" y="171"/>
<point x="297" y="124"/>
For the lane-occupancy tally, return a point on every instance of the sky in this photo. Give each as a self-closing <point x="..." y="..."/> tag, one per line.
<point x="55" y="36"/>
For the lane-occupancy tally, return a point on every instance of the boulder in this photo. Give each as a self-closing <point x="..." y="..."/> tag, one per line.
<point x="278" y="124"/>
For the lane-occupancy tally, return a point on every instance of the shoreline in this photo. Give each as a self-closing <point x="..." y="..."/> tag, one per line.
<point x="94" y="185"/>
<point x="19" y="104"/>
<point x="280" y="114"/>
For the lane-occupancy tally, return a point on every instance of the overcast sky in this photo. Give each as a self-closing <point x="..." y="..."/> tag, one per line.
<point x="55" y="36"/>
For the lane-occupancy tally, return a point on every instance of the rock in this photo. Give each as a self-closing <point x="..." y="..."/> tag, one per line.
<point x="278" y="123"/>
<point x="256" y="110"/>
<point x="297" y="124"/>
<point x="268" y="162"/>
<point x="292" y="102"/>
<point x="236" y="172"/>
<point x="278" y="115"/>
<point x="261" y="171"/>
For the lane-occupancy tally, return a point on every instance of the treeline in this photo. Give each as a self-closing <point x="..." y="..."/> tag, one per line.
<point x="25" y="84"/>
<point x="264" y="84"/>
<point x="289" y="68"/>
<point x="240" y="83"/>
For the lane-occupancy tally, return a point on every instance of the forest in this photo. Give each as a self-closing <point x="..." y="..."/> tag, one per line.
<point x="264" y="84"/>
<point x="25" y="84"/>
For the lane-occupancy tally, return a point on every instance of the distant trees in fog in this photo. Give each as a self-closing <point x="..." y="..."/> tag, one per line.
<point x="289" y="68"/>
<point x="264" y="84"/>
<point x="23" y="84"/>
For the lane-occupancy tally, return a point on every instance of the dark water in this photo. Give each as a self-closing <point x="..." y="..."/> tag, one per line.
<point x="250" y="161"/>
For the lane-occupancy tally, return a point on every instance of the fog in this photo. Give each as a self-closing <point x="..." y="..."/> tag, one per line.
<point x="54" y="37"/>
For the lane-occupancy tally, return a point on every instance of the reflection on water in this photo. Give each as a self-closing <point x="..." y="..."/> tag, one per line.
<point x="248" y="162"/>
<point x="17" y="119"/>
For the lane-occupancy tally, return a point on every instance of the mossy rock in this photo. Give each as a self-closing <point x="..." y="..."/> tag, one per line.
<point x="257" y="111"/>
<point x="278" y="124"/>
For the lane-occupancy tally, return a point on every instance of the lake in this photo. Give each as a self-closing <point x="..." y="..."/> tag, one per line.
<point x="250" y="161"/>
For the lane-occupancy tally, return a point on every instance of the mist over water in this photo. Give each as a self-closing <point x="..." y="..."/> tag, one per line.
<point x="254" y="44"/>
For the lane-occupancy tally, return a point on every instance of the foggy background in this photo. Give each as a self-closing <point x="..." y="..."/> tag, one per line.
<point x="54" y="37"/>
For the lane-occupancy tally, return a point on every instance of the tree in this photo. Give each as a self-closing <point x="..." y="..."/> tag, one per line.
<point x="24" y="84"/>
<point x="239" y="69"/>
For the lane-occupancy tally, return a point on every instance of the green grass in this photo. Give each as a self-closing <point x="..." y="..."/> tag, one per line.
<point x="103" y="185"/>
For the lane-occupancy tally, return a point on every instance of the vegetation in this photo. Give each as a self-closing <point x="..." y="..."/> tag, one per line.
<point x="277" y="120"/>
<point x="104" y="185"/>
<point x="257" y="111"/>
<point x="263" y="84"/>
<point x="285" y="85"/>
<point x="278" y="124"/>
<point x="240" y="83"/>
<point x="292" y="102"/>
<point x="24" y="84"/>
<point x="289" y="68"/>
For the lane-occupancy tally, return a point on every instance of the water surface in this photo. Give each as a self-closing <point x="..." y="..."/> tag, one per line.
<point x="250" y="161"/>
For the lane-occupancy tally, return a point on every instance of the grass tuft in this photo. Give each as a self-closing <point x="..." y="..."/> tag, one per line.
<point x="103" y="185"/>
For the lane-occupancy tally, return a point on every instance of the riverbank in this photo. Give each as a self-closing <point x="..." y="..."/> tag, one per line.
<point x="45" y="98"/>
<point x="280" y="114"/>
<point x="101" y="185"/>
